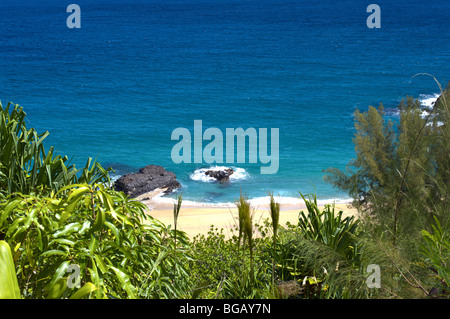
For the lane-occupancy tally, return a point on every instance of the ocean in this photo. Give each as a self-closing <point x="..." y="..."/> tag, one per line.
<point x="116" y="88"/>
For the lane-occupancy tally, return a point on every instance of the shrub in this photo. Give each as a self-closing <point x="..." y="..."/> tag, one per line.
<point x="323" y="253"/>
<point x="115" y="245"/>
<point x="25" y="166"/>
<point x="330" y="229"/>
<point x="435" y="250"/>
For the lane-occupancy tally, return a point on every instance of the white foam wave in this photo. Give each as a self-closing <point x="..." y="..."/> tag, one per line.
<point x="199" y="174"/>
<point x="291" y="201"/>
<point x="114" y="177"/>
<point x="262" y="203"/>
<point x="428" y="100"/>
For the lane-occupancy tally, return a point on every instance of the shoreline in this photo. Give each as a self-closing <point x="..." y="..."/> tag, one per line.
<point x="156" y="200"/>
<point x="196" y="218"/>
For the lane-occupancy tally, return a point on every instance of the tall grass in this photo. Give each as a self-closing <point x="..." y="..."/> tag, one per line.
<point x="245" y="218"/>
<point x="176" y="213"/>
<point x="275" y="217"/>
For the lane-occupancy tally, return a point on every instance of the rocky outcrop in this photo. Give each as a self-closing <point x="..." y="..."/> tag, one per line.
<point x="220" y="175"/>
<point x="146" y="180"/>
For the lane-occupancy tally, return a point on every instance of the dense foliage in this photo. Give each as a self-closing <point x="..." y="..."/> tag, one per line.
<point x="400" y="179"/>
<point x="54" y="219"/>
<point x="59" y="224"/>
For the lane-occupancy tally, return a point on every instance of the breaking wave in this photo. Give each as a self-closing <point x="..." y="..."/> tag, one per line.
<point x="199" y="174"/>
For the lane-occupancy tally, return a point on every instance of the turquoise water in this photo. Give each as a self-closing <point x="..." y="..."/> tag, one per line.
<point x="117" y="87"/>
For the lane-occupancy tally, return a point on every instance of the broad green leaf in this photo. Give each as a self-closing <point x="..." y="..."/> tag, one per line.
<point x="93" y="245"/>
<point x="15" y="227"/>
<point x="7" y="210"/>
<point x="29" y="218"/>
<point x="72" y="202"/>
<point x="99" y="220"/>
<point x="123" y="218"/>
<point x="9" y="287"/>
<point x="125" y="281"/>
<point x="58" y="289"/>
<point x="107" y="200"/>
<point x="94" y="273"/>
<point x="100" y="263"/>
<point x="85" y="227"/>
<point x="70" y="228"/>
<point x="63" y="189"/>
<point x="115" y="231"/>
<point x="62" y="241"/>
<point x="59" y="273"/>
<point x="84" y="291"/>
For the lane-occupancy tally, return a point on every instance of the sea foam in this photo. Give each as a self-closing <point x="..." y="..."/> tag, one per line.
<point x="199" y="174"/>
<point x="428" y="100"/>
<point x="262" y="203"/>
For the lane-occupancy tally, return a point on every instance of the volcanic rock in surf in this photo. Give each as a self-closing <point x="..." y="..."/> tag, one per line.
<point x="146" y="180"/>
<point x="220" y="175"/>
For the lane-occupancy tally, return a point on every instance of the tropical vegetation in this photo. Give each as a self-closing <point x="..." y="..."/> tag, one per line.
<point x="66" y="233"/>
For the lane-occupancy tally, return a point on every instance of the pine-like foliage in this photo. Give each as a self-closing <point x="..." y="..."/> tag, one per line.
<point x="402" y="168"/>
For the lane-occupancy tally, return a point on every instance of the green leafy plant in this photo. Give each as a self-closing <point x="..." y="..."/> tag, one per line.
<point x="214" y="257"/>
<point x="109" y="236"/>
<point x="435" y="250"/>
<point x="320" y="257"/>
<point x="400" y="181"/>
<point x="401" y="172"/>
<point x="246" y="226"/>
<point x="275" y="216"/>
<point x="25" y="165"/>
<point x="330" y="228"/>
<point x="9" y="288"/>
<point x="176" y="213"/>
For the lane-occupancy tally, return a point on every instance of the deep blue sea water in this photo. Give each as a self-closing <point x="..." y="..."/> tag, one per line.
<point x="117" y="87"/>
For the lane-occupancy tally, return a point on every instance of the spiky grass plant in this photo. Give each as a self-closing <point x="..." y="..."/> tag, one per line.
<point x="26" y="166"/>
<point x="245" y="219"/>
<point x="329" y="228"/>
<point x="275" y="216"/>
<point x="176" y="213"/>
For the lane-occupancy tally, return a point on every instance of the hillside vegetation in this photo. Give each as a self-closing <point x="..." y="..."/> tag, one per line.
<point x="65" y="233"/>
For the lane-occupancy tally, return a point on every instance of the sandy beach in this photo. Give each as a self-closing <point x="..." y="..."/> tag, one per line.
<point x="196" y="218"/>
